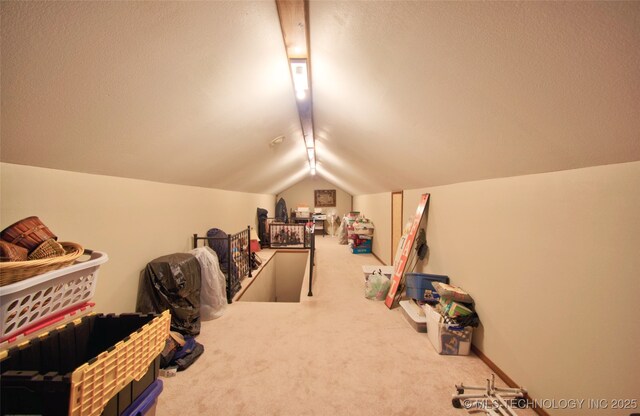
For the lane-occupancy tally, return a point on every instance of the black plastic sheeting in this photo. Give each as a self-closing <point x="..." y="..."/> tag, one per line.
<point x="172" y="282"/>
<point x="219" y="241"/>
<point x="262" y="227"/>
<point x="281" y="211"/>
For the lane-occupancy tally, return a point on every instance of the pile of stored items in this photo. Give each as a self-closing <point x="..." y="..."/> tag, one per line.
<point x="445" y="312"/>
<point x="450" y="323"/>
<point x="193" y="287"/>
<point x="38" y="281"/>
<point x="420" y="291"/>
<point x="55" y="357"/>
<point x="359" y="232"/>
<point x="190" y="285"/>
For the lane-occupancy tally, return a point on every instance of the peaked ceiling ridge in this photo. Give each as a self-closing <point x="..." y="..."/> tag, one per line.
<point x="311" y="178"/>
<point x="294" y="25"/>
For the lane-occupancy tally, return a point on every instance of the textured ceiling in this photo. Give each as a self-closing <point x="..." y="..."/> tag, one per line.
<point x="178" y="92"/>
<point x="406" y="94"/>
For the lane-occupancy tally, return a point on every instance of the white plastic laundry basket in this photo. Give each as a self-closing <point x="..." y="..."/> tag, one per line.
<point x="26" y="303"/>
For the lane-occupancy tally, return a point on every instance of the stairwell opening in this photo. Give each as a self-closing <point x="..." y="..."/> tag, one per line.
<point x="280" y="280"/>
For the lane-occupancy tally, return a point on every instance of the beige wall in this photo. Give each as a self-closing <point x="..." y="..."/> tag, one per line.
<point x="290" y="270"/>
<point x="302" y="193"/>
<point x="553" y="262"/>
<point x="133" y="221"/>
<point x="377" y="207"/>
<point x="263" y="287"/>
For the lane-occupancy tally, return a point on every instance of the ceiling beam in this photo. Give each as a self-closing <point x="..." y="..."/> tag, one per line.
<point x="294" y="23"/>
<point x="293" y="16"/>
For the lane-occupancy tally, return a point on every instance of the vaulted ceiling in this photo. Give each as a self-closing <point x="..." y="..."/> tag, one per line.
<point x="405" y="94"/>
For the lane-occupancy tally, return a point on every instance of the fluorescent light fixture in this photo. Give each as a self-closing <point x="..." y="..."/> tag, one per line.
<point x="308" y="141"/>
<point x="311" y="153"/>
<point x="300" y="77"/>
<point x="312" y="166"/>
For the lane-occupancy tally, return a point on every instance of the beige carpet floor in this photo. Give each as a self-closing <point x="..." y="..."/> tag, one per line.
<point x="335" y="353"/>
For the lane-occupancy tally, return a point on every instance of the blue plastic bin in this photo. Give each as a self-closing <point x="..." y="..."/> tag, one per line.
<point x="145" y="404"/>
<point x="419" y="286"/>
<point x="363" y="247"/>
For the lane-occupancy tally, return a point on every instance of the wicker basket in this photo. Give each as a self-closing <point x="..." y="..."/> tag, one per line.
<point x="15" y="271"/>
<point x="12" y="252"/>
<point x="29" y="233"/>
<point x="48" y="249"/>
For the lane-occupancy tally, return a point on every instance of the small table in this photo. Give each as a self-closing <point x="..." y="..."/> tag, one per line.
<point x="319" y="219"/>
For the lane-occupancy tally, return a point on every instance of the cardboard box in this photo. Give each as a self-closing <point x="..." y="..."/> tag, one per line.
<point x="447" y="339"/>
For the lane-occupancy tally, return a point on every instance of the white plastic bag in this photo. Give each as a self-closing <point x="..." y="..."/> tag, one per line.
<point x="377" y="286"/>
<point x="343" y="232"/>
<point x="213" y="289"/>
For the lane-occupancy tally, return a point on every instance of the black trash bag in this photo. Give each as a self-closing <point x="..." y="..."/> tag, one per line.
<point x="219" y="242"/>
<point x="281" y="211"/>
<point x="262" y="227"/>
<point x="172" y="282"/>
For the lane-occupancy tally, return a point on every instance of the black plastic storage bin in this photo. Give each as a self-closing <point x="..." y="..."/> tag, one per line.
<point x="129" y="394"/>
<point x="145" y="405"/>
<point x="38" y="377"/>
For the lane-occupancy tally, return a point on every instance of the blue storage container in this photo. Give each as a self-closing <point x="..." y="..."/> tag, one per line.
<point x="419" y="286"/>
<point x="363" y="247"/>
<point x="145" y="404"/>
<point x="361" y="250"/>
